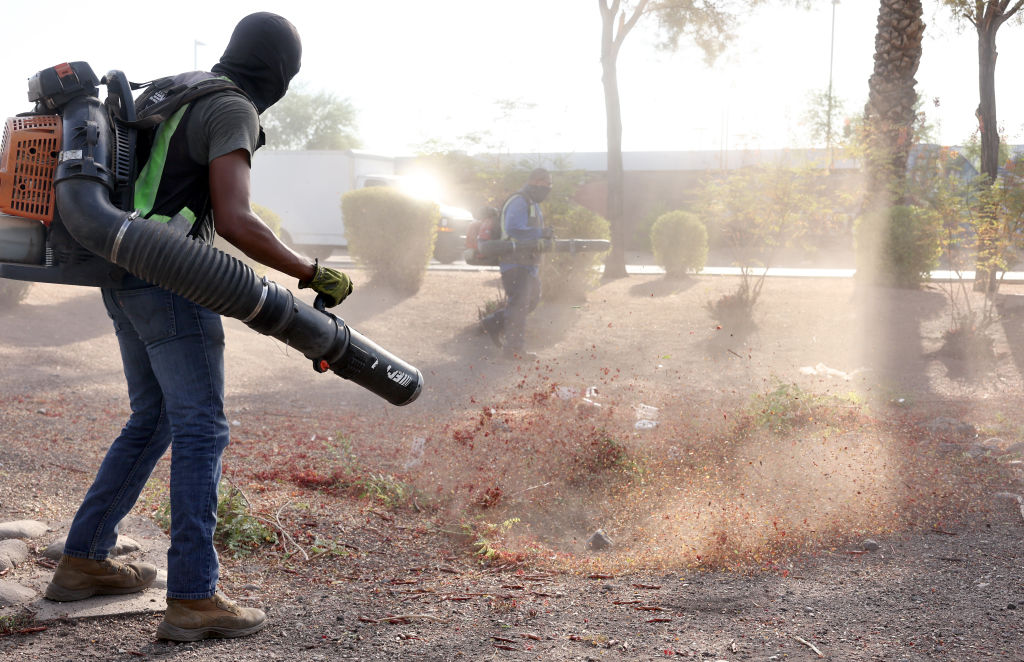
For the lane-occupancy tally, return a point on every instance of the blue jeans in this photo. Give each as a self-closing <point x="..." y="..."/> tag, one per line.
<point x="173" y="356"/>
<point x="522" y="289"/>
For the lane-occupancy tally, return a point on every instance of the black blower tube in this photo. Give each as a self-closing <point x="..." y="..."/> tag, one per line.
<point x="203" y="274"/>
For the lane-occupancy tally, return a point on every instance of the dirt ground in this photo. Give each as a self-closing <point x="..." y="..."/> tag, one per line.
<point x="832" y="484"/>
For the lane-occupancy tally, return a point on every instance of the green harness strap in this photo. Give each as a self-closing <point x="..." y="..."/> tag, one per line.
<point x="148" y="182"/>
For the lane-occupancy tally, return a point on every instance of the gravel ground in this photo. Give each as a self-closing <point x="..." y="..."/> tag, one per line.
<point x="456" y="527"/>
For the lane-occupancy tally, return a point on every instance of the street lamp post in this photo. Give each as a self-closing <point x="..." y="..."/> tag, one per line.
<point x="831" y="59"/>
<point x="195" y="54"/>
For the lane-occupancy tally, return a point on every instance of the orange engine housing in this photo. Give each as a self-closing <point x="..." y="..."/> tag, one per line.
<point x="28" y="161"/>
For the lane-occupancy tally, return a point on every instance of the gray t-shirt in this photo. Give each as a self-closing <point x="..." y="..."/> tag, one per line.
<point x="221" y="123"/>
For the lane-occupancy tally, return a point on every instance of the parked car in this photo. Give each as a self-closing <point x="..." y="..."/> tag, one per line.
<point x="451" y="234"/>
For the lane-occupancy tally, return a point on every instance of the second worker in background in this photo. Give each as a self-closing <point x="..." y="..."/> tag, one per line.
<point x="521" y="221"/>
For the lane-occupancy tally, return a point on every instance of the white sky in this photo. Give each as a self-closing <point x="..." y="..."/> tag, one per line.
<point x="418" y="70"/>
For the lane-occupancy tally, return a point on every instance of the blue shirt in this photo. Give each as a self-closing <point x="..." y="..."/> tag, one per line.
<point x="519" y="224"/>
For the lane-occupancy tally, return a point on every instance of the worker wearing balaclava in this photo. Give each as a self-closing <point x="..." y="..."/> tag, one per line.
<point x="196" y="178"/>
<point x="262" y="57"/>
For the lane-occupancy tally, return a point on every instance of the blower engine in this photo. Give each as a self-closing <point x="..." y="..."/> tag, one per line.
<point x="67" y="173"/>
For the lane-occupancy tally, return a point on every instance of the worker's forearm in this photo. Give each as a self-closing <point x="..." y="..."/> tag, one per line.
<point x="260" y="243"/>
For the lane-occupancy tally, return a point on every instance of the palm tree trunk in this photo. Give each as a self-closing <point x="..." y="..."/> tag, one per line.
<point x="889" y="122"/>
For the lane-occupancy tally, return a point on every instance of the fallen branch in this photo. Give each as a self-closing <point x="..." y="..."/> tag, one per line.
<point x="276" y="523"/>
<point x="24" y="631"/>
<point x="808" y="644"/>
<point x="653" y="587"/>
<point x="408" y="618"/>
<point x="535" y="487"/>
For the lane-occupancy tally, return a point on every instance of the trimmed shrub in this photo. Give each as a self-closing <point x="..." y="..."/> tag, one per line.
<point x="680" y="243"/>
<point x="568" y="277"/>
<point x="391" y="234"/>
<point x="273" y="222"/>
<point x="908" y="247"/>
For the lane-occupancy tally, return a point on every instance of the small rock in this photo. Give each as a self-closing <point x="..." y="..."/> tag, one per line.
<point x="1015" y="449"/>
<point x="1011" y="606"/>
<point x="598" y="541"/>
<point x="12" y="552"/>
<point x="976" y="451"/>
<point x="950" y="427"/>
<point x="12" y="593"/>
<point x="869" y="545"/>
<point x="25" y="528"/>
<point x="567" y="392"/>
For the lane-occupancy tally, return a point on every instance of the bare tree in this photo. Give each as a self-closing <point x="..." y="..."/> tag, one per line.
<point x="710" y="24"/>
<point x="986" y="16"/>
<point x="611" y="42"/>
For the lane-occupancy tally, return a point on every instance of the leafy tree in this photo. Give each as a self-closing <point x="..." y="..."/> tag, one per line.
<point x="710" y="24"/>
<point x="304" y="120"/>
<point x="489" y="175"/>
<point x="757" y="211"/>
<point x="987" y="16"/>
<point x="820" y="118"/>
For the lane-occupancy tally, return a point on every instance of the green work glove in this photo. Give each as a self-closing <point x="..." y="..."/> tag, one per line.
<point x="331" y="283"/>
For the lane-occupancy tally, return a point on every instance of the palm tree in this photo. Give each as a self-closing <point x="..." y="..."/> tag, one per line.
<point x="889" y="117"/>
<point x="890" y="113"/>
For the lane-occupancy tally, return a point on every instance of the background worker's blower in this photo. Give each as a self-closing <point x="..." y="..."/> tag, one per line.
<point x="489" y="252"/>
<point x="67" y="172"/>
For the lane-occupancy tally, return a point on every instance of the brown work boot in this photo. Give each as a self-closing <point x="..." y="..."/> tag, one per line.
<point x="77" y="579"/>
<point x="192" y="620"/>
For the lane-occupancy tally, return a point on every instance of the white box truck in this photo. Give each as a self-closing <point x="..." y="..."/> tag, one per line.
<point x="305" y="187"/>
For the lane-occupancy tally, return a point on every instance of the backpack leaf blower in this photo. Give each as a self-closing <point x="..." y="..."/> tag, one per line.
<point x="67" y="172"/>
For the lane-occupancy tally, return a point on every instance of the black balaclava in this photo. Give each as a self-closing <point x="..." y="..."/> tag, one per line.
<point x="262" y="57"/>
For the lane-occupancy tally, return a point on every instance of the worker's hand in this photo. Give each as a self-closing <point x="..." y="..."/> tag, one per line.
<point x="331" y="283"/>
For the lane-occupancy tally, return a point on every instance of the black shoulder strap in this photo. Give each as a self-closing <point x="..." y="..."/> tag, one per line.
<point x="163" y="98"/>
